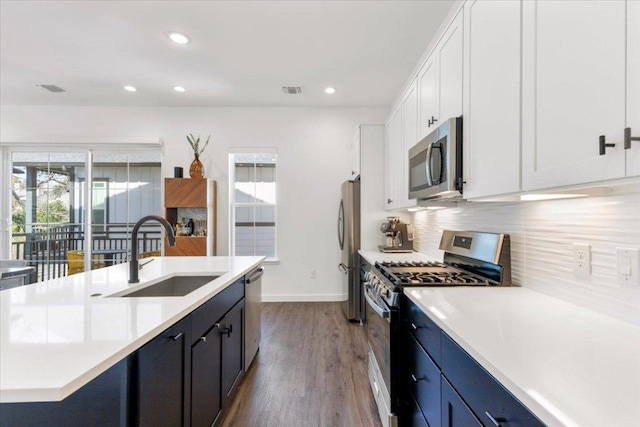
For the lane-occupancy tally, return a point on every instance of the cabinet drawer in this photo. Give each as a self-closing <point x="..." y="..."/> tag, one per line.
<point x="423" y="378"/>
<point x="423" y="329"/>
<point x="455" y="413"/>
<point x="211" y="311"/>
<point x="484" y="395"/>
<point x="414" y="415"/>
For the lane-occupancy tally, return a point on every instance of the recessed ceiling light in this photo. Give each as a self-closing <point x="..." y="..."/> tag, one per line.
<point x="330" y="90"/>
<point x="179" y="89"/>
<point x="130" y="88"/>
<point x="179" y="38"/>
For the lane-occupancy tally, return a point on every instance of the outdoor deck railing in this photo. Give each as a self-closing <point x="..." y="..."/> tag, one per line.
<point x="46" y="248"/>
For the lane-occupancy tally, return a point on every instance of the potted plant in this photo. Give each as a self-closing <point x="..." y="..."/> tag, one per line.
<point x="196" y="170"/>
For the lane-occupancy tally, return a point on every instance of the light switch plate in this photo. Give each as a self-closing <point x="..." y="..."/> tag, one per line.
<point x="628" y="265"/>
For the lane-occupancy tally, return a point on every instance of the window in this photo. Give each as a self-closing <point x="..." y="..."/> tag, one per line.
<point x="253" y="204"/>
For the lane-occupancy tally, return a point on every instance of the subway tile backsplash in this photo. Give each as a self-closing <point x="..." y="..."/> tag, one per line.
<point x="542" y="237"/>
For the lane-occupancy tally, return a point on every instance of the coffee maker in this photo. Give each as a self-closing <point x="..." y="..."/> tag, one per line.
<point x="398" y="237"/>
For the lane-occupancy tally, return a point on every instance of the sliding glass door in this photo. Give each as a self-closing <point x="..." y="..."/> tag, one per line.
<point x="74" y="210"/>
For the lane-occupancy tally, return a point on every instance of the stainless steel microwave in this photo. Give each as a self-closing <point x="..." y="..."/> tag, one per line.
<point x="435" y="163"/>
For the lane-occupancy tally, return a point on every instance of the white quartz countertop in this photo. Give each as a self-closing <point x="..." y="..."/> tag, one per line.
<point x="373" y="256"/>
<point x="55" y="337"/>
<point x="569" y="365"/>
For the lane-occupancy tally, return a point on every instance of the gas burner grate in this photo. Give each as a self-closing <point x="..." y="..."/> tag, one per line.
<point x="419" y="273"/>
<point x="411" y="264"/>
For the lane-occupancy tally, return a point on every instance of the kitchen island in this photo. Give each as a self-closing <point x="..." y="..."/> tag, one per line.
<point x="60" y="335"/>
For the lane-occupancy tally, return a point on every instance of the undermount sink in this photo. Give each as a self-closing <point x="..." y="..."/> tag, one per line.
<point x="177" y="286"/>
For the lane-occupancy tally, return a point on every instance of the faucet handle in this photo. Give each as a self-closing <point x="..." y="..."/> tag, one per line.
<point x="142" y="264"/>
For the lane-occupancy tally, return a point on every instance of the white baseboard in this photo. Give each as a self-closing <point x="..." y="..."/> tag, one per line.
<point x="304" y="298"/>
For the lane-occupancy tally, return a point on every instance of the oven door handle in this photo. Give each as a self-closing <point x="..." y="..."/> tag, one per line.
<point x="375" y="307"/>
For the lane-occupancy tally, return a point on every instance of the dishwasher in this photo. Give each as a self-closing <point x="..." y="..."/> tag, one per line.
<point x="253" y="313"/>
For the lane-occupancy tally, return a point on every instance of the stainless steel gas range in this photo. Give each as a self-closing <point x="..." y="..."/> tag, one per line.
<point x="470" y="259"/>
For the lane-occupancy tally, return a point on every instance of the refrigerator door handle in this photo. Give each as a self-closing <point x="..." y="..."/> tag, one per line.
<point x="341" y="225"/>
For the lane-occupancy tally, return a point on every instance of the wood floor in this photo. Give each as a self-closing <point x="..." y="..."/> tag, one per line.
<point x="311" y="371"/>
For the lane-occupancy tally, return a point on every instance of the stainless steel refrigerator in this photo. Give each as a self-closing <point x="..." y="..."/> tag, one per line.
<point x="349" y="240"/>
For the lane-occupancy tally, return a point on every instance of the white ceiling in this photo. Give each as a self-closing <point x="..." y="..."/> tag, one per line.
<point x="241" y="52"/>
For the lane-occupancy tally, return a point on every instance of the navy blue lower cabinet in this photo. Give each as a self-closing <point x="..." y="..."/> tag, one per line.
<point x="232" y="330"/>
<point x="486" y="397"/>
<point x="159" y="372"/>
<point x="455" y="413"/>
<point x="425" y="331"/>
<point x="423" y="379"/>
<point x="102" y="402"/>
<point x="206" y="399"/>
<point x="415" y="418"/>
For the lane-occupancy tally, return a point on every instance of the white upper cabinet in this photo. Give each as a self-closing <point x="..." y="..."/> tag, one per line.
<point x="573" y="91"/>
<point x="400" y="135"/>
<point x="428" y="91"/>
<point x="409" y="105"/>
<point x="450" y="60"/>
<point x="633" y="85"/>
<point x="491" y="112"/>
<point x="356" y="148"/>
<point x="440" y="80"/>
<point x="393" y="160"/>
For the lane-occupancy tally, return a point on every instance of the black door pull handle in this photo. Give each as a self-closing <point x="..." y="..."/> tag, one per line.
<point x="628" y="138"/>
<point x="603" y="145"/>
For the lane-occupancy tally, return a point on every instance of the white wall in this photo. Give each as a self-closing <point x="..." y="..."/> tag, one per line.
<point x="542" y="235"/>
<point x="313" y="146"/>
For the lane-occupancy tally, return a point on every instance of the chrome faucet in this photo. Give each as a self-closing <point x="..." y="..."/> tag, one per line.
<point x="133" y="264"/>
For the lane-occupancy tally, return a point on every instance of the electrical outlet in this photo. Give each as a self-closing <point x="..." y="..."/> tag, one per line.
<point x="582" y="259"/>
<point x="312" y="273"/>
<point x="628" y="265"/>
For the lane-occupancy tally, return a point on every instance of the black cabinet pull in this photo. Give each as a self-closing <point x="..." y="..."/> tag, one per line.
<point x="224" y="330"/>
<point x="603" y="145"/>
<point x="416" y="327"/>
<point x="495" y="421"/>
<point x="416" y="379"/>
<point x="628" y="138"/>
<point x="389" y="201"/>
<point x="432" y="121"/>
<point x="177" y="337"/>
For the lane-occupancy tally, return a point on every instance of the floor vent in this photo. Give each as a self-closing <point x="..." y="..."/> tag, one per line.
<point x="52" y="88"/>
<point x="292" y="90"/>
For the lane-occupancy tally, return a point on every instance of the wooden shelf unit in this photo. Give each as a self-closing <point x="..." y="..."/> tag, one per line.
<point x="195" y="195"/>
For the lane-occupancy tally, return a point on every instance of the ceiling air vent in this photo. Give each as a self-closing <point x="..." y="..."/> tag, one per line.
<point x="292" y="90"/>
<point x="52" y="88"/>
